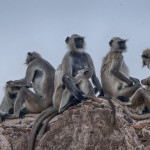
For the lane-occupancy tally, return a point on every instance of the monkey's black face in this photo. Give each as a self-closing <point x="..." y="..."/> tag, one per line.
<point x="29" y="58"/>
<point x="122" y="45"/>
<point x="79" y="42"/>
<point x="118" y="45"/>
<point x="144" y="56"/>
<point x="145" y="59"/>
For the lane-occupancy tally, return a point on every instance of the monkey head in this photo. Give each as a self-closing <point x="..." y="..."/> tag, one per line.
<point x="75" y="43"/>
<point x="86" y="72"/>
<point x="117" y="44"/>
<point x="12" y="90"/>
<point x="31" y="56"/>
<point x="146" y="58"/>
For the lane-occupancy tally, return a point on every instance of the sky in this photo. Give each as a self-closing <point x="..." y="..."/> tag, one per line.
<point x="43" y="25"/>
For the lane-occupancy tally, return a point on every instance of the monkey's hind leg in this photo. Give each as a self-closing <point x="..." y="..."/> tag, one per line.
<point x="136" y="116"/>
<point x="146" y="95"/>
<point x="129" y="91"/>
<point x="122" y="101"/>
<point x="137" y="98"/>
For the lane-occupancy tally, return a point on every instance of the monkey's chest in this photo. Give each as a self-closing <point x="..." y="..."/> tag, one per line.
<point x="78" y="64"/>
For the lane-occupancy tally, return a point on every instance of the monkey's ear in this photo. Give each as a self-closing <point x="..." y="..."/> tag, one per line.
<point x="67" y="40"/>
<point x="110" y="43"/>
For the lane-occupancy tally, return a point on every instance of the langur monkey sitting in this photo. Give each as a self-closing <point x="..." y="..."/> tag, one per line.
<point x="41" y="74"/>
<point x="115" y="78"/>
<point x="141" y="99"/>
<point x="8" y="100"/>
<point x="74" y="60"/>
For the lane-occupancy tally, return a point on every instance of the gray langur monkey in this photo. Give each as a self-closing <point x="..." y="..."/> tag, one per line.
<point x="40" y="73"/>
<point x="81" y="80"/>
<point x="115" y="78"/>
<point x="8" y="100"/>
<point x="141" y="99"/>
<point x="74" y="60"/>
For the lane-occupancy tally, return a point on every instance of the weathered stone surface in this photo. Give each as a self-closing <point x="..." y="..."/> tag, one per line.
<point x="86" y="126"/>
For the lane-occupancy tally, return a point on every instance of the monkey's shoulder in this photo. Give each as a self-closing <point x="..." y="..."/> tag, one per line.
<point x="112" y="57"/>
<point x="115" y="55"/>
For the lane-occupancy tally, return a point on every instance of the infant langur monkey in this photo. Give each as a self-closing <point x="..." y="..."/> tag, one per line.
<point x="81" y="80"/>
<point x="141" y="99"/>
<point x="115" y="78"/>
<point x="41" y="74"/>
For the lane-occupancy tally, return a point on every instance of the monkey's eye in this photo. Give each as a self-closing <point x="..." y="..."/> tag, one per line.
<point x="79" y="40"/>
<point x="144" y="56"/>
<point x="17" y="87"/>
<point x="121" y="43"/>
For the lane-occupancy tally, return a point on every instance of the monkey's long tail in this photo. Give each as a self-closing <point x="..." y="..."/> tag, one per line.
<point x="49" y="111"/>
<point x="135" y="116"/>
<point x="113" y="119"/>
<point x="43" y="129"/>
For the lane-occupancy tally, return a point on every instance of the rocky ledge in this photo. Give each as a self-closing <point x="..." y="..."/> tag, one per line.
<point x="86" y="126"/>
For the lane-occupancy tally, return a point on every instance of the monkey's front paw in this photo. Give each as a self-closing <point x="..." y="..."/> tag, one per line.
<point x="21" y="115"/>
<point x="4" y="117"/>
<point x="63" y="86"/>
<point x="80" y="96"/>
<point x="69" y="104"/>
<point x="64" y="78"/>
<point x="138" y="84"/>
<point x="136" y="80"/>
<point x="12" y="84"/>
